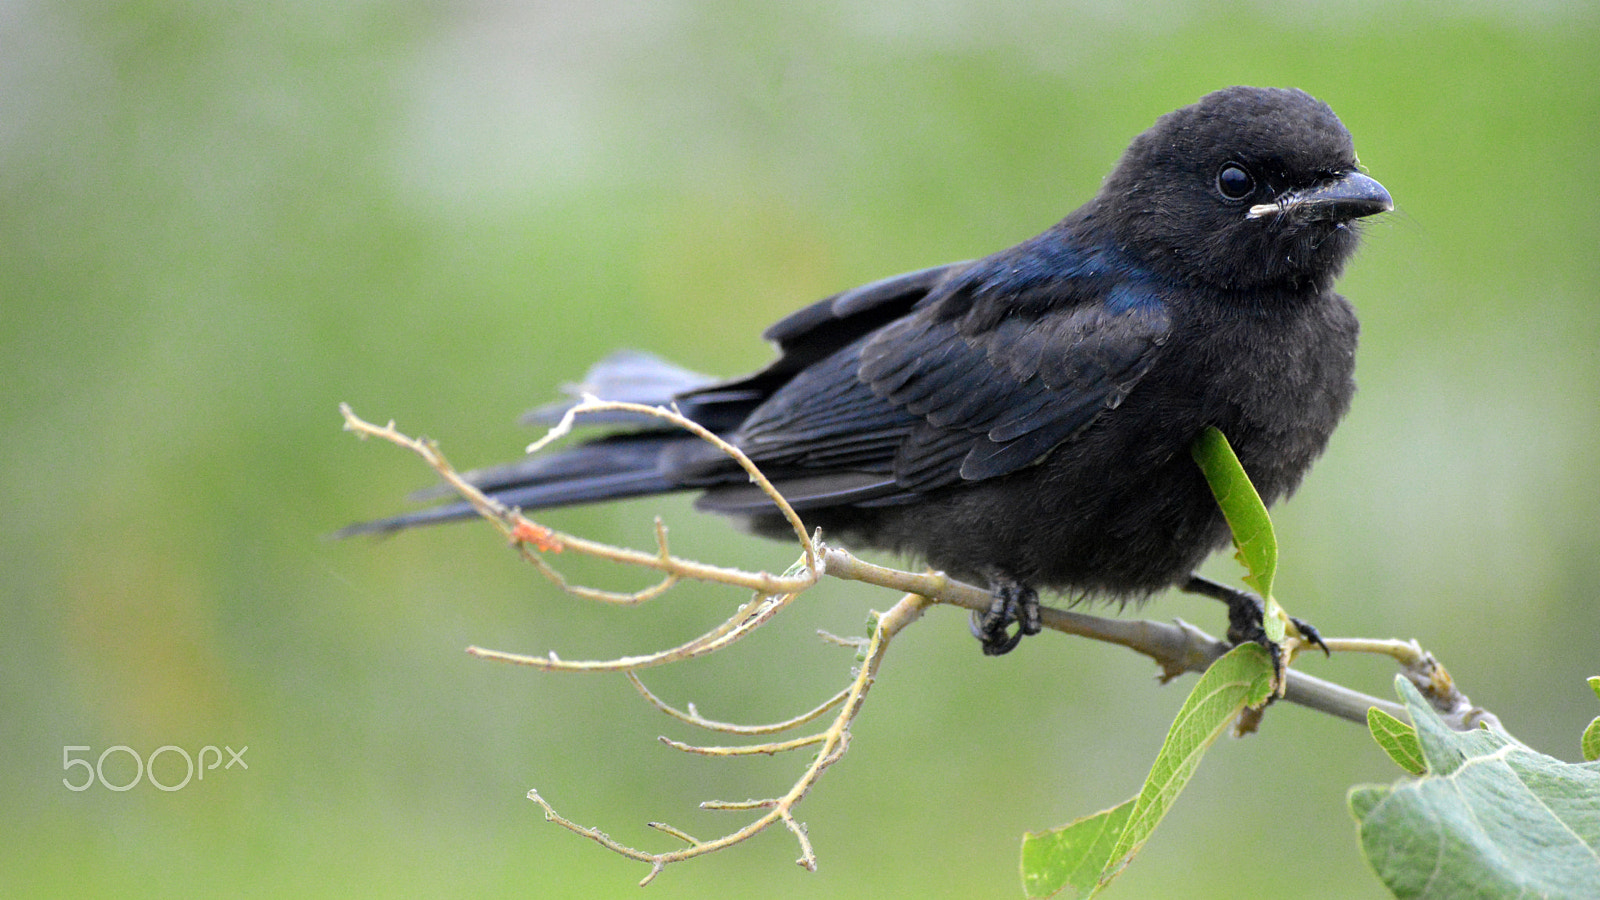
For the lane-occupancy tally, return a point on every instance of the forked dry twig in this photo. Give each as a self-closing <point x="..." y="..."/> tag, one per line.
<point x="830" y="744"/>
<point x="771" y="595"/>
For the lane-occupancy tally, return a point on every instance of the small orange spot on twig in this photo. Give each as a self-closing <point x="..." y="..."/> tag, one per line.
<point x="543" y="539"/>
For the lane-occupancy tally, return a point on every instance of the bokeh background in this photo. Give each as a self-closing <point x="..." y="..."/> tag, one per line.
<point x="217" y="221"/>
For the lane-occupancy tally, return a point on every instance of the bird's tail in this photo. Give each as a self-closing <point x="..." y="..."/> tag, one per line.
<point x="648" y="459"/>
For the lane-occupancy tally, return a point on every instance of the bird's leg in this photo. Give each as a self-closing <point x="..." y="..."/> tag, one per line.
<point x="1245" y="612"/>
<point x="1014" y="602"/>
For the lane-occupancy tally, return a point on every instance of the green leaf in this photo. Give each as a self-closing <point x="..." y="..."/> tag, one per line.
<point x="1591" y="735"/>
<point x="1084" y="856"/>
<point x="1253" y="536"/>
<point x="1071" y="857"/>
<point x="1241" y="678"/>
<point x="1397" y="739"/>
<point x="1492" y="818"/>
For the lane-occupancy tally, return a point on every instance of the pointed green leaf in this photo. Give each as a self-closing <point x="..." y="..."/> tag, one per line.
<point x="1106" y="843"/>
<point x="1071" y="858"/>
<point x="1247" y="516"/>
<point x="1492" y="818"/>
<point x="1242" y="677"/>
<point x="1397" y="739"/>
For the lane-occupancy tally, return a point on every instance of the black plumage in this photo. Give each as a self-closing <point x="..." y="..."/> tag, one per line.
<point x="1025" y="419"/>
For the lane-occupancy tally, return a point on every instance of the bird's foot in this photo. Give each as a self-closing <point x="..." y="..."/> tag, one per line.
<point x="1246" y="622"/>
<point x="1014" y="603"/>
<point x="1246" y="614"/>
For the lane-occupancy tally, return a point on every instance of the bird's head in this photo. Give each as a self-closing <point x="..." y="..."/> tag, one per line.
<point x="1248" y="188"/>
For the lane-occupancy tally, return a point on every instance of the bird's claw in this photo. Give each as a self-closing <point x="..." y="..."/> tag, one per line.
<point x="1013" y="603"/>
<point x="1310" y="635"/>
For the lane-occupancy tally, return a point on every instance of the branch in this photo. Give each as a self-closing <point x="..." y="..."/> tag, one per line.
<point x="1177" y="646"/>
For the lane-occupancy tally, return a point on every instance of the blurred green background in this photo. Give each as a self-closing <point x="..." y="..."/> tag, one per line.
<point x="217" y="221"/>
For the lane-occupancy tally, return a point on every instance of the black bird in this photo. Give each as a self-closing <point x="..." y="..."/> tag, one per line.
<point x="1025" y="419"/>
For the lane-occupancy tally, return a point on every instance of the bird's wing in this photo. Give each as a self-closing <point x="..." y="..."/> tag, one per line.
<point x="972" y="382"/>
<point x="996" y="393"/>
<point x="811" y="335"/>
<point x="817" y="351"/>
<point x="803" y="338"/>
<point x="827" y="326"/>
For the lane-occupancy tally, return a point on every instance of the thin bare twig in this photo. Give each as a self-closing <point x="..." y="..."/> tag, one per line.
<point x="752" y="615"/>
<point x="693" y="716"/>
<point x="591" y="404"/>
<point x="524" y="532"/>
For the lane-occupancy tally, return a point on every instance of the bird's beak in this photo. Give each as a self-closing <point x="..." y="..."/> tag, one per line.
<point x="1349" y="196"/>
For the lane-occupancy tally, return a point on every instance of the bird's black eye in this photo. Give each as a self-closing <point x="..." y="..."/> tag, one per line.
<point x="1234" y="182"/>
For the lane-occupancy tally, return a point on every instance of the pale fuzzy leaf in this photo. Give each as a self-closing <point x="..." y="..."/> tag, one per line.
<point x="1492" y="818"/>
